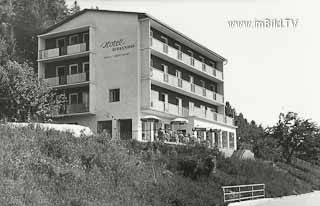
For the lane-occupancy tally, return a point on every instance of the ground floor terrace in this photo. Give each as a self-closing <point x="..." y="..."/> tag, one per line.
<point x="151" y="125"/>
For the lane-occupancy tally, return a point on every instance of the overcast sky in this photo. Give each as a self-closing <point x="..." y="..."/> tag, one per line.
<point x="269" y="70"/>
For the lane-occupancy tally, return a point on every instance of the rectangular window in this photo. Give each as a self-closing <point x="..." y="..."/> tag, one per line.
<point x="165" y="44"/>
<point x="231" y="140"/>
<point x="85" y="38"/>
<point x="203" y="64"/>
<point x="213" y="64"/>
<point x="191" y="57"/>
<point x="114" y="95"/>
<point x="74" y="39"/>
<point x="224" y="139"/>
<point x="179" y="76"/>
<point x="165" y="73"/>
<point x="73" y="98"/>
<point x="60" y="42"/>
<point x="73" y="69"/>
<point x="178" y="51"/>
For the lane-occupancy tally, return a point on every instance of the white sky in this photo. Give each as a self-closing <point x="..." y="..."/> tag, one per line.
<point x="269" y="70"/>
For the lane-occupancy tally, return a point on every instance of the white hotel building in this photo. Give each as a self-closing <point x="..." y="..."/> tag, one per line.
<point x="121" y="69"/>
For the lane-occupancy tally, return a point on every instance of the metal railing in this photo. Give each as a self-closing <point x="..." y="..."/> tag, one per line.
<point x="67" y="50"/>
<point x="185" y="58"/>
<point x="185" y="85"/>
<point x="67" y="79"/>
<point x="243" y="192"/>
<point x="185" y="112"/>
<point x="75" y="108"/>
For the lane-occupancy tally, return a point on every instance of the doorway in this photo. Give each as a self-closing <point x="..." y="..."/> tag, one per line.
<point x="105" y="127"/>
<point x="125" y="129"/>
<point x="62" y="74"/>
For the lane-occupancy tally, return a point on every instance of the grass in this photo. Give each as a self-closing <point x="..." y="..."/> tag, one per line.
<point x="54" y="168"/>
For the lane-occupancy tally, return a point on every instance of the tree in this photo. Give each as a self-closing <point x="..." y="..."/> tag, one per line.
<point x="248" y="133"/>
<point x="294" y="135"/>
<point x="31" y="17"/>
<point x="74" y="8"/>
<point x="27" y="97"/>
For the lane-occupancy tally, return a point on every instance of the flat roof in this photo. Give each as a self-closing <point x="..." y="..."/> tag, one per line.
<point x="140" y="15"/>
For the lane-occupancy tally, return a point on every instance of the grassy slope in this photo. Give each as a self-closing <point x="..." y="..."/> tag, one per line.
<point x="51" y="168"/>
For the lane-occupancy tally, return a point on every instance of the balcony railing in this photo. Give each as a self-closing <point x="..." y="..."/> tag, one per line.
<point x="74" y="108"/>
<point x="185" y="85"/>
<point x="68" y="79"/>
<point x="67" y="50"/>
<point x="185" y="58"/>
<point x="195" y="111"/>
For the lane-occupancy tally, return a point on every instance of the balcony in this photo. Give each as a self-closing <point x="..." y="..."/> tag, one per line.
<point x="75" y="49"/>
<point x="186" y="59"/>
<point x="70" y="109"/>
<point x="196" y="111"/>
<point x="77" y="108"/>
<point x="186" y="86"/>
<point x="68" y="79"/>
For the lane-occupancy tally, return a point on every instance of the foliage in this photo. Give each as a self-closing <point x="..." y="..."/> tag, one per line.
<point x="27" y="96"/>
<point x="247" y="132"/>
<point x="21" y="22"/>
<point x="278" y="182"/>
<point x="74" y="8"/>
<point x="294" y="136"/>
<point x="53" y="168"/>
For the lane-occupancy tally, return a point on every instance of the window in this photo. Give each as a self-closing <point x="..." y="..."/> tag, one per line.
<point x="60" y="42"/>
<point x="213" y="64"/>
<point x="73" y="69"/>
<point x="231" y="140"/>
<point x="85" y="37"/>
<point x="165" y="45"/>
<point x="179" y="51"/>
<point x="191" y="57"/>
<point x="203" y="64"/>
<point x="162" y="97"/>
<point x="224" y="139"/>
<point x="73" y="98"/>
<point x="192" y="83"/>
<point x="114" y="95"/>
<point x="85" y="69"/>
<point x="178" y="75"/>
<point x="165" y="73"/>
<point x="74" y="39"/>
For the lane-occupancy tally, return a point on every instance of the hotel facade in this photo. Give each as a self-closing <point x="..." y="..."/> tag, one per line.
<point x="130" y="75"/>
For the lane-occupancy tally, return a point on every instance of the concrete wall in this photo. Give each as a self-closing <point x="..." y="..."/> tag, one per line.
<point x="111" y="68"/>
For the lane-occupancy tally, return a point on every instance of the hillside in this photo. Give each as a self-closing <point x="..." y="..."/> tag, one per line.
<point x="54" y="168"/>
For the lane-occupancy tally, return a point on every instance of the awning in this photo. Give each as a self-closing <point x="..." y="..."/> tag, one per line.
<point x="180" y="120"/>
<point x="150" y="118"/>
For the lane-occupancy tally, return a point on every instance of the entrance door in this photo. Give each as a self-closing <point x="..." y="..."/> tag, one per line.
<point x="62" y="74"/>
<point x="61" y="43"/>
<point x="217" y="139"/>
<point x="125" y="129"/>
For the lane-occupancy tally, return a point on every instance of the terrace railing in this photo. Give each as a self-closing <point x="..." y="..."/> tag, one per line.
<point x="243" y="192"/>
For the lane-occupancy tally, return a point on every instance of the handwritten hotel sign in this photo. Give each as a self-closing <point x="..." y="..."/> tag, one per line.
<point x="118" y="47"/>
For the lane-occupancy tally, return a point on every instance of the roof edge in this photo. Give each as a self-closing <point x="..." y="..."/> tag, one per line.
<point x="141" y="15"/>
